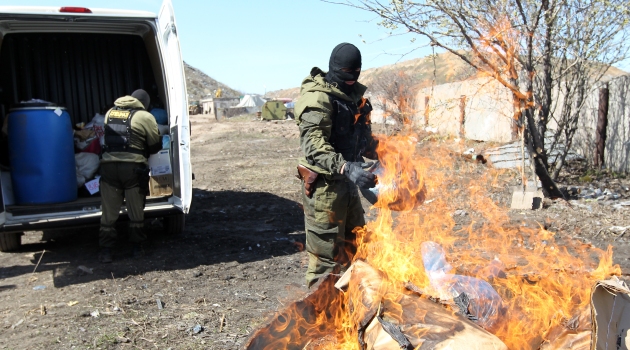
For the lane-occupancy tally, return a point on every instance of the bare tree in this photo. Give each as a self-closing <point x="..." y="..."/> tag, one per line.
<point x="394" y="94"/>
<point x="515" y="42"/>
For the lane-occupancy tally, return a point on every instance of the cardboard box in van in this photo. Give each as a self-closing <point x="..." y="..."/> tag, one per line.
<point x="161" y="185"/>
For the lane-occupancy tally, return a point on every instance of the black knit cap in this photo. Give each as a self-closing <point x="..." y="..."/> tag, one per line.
<point x="344" y="55"/>
<point x="143" y="97"/>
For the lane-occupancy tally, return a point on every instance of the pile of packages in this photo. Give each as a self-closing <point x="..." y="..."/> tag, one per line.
<point x="89" y="139"/>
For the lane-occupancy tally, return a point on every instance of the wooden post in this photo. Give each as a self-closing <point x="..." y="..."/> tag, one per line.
<point x="462" y="116"/>
<point x="427" y="99"/>
<point x="602" y="124"/>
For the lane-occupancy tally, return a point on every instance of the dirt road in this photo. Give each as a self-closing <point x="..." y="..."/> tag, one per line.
<point x="239" y="259"/>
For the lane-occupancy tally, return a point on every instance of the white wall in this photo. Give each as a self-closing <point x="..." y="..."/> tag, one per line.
<point x="488" y="110"/>
<point x="617" y="151"/>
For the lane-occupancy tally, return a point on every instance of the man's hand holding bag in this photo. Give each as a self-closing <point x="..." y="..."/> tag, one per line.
<point x="355" y="171"/>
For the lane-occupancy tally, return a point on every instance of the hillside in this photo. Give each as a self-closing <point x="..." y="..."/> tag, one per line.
<point x="200" y="85"/>
<point x="448" y="68"/>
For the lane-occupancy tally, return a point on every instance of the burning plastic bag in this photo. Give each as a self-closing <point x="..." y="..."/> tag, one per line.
<point x="371" y="194"/>
<point x="402" y="198"/>
<point x="483" y="302"/>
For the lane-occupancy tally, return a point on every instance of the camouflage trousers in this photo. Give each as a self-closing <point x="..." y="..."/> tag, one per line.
<point x="120" y="181"/>
<point x="330" y="216"/>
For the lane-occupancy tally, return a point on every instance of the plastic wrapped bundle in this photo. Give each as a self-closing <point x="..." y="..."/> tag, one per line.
<point x="396" y="196"/>
<point x="483" y="302"/>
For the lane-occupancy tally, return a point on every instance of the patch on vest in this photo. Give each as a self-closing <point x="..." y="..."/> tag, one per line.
<point x="119" y="114"/>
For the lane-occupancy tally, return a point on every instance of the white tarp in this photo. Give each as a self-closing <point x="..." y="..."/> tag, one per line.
<point x="251" y="101"/>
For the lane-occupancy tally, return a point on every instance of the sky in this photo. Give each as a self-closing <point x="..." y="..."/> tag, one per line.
<point x="256" y="46"/>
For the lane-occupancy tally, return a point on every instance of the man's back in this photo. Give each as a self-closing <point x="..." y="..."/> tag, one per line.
<point x="145" y="135"/>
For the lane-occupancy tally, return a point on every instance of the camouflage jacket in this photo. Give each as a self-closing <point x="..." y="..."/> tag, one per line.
<point x="334" y="127"/>
<point x="145" y="131"/>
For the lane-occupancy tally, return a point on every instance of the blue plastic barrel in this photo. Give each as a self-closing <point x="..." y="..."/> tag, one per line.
<point x="41" y="152"/>
<point x="160" y="116"/>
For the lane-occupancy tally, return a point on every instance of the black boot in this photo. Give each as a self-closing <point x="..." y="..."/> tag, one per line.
<point x="105" y="256"/>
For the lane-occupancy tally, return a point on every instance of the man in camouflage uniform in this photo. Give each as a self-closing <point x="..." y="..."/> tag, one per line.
<point x="131" y="135"/>
<point x="335" y="134"/>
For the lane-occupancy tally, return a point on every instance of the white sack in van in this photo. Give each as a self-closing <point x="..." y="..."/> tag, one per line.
<point x="98" y="125"/>
<point x="82" y="145"/>
<point x="163" y="129"/>
<point x="87" y="164"/>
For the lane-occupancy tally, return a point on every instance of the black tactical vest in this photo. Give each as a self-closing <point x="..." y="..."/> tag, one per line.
<point x="118" y="131"/>
<point x="351" y="129"/>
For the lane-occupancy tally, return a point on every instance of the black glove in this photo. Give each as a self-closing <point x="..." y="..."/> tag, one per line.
<point x="356" y="173"/>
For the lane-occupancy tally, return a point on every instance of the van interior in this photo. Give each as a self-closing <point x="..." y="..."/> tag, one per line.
<point x="82" y="65"/>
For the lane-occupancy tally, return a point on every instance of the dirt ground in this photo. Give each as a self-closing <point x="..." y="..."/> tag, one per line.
<point x="239" y="259"/>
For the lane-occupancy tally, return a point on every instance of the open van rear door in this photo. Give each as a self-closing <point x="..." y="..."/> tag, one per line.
<point x="178" y="106"/>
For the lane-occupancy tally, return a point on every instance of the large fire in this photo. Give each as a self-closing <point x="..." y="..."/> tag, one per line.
<point x="543" y="279"/>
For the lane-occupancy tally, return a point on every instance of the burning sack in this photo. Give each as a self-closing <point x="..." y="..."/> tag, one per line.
<point x="603" y="326"/>
<point x="402" y="320"/>
<point x="610" y="305"/>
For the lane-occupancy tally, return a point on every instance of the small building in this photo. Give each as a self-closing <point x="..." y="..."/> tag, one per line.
<point x="217" y="107"/>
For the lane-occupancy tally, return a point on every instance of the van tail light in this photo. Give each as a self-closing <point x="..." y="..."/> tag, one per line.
<point x="70" y="9"/>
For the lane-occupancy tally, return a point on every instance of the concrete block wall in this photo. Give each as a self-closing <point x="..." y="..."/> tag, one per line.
<point x="487" y="115"/>
<point x="617" y="149"/>
<point x="617" y="152"/>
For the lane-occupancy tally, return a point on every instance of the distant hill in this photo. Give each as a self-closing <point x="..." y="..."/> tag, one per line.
<point x="288" y="93"/>
<point x="200" y="85"/>
<point x="448" y="68"/>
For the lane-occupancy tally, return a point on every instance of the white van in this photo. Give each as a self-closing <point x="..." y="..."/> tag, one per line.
<point x="84" y="59"/>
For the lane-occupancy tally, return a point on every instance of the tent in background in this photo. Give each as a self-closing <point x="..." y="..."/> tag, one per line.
<point x="252" y="103"/>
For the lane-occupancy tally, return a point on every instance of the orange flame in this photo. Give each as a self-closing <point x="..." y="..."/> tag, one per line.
<point x="544" y="279"/>
<point x="358" y="115"/>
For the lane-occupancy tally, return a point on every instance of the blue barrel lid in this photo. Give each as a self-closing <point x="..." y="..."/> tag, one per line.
<point x="36" y="108"/>
<point x="36" y="104"/>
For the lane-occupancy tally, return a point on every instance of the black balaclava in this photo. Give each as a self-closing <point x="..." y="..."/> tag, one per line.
<point x="344" y="55"/>
<point x="143" y="97"/>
